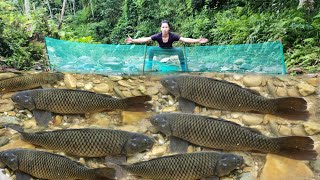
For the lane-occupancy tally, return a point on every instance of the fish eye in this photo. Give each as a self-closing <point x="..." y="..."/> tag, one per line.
<point x="17" y="98"/>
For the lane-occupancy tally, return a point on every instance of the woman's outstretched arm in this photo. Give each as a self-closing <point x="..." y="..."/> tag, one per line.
<point x="191" y="40"/>
<point x="139" y="40"/>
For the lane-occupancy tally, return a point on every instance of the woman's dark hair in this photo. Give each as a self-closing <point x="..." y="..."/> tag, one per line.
<point x="164" y="21"/>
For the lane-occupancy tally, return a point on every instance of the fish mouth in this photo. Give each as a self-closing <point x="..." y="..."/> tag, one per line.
<point x="149" y="146"/>
<point x="241" y="164"/>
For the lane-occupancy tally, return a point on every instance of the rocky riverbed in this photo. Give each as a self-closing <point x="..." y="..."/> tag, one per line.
<point x="258" y="166"/>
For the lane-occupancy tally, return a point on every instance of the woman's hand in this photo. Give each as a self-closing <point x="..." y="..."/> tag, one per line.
<point x="203" y="40"/>
<point x="129" y="40"/>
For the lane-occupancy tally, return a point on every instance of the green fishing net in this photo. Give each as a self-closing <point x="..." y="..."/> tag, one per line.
<point x="112" y="59"/>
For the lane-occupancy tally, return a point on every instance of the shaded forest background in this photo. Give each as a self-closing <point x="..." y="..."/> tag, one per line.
<point x="25" y="23"/>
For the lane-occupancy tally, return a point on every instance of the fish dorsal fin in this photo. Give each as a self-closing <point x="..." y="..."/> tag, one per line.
<point x="224" y="81"/>
<point x="230" y="122"/>
<point x="13" y="77"/>
<point x="105" y="95"/>
<point x="76" y="129"/>
<point x="57" y="155"/>
<point x="80" y="90"/>
<point x="237" y="85"/>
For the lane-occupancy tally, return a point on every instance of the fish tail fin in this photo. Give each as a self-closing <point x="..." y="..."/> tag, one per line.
<point x="19" y="129"/>
<point x="105" y="173"/>
<point x="15" y="127"/>
<point x="296" y="147"/>
<point x="291" y="108"/>
<point x="138" y="103"/>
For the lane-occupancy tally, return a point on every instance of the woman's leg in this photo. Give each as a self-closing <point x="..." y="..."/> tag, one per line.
<point x="150" y="58"/>
<point x="183" y="62"/>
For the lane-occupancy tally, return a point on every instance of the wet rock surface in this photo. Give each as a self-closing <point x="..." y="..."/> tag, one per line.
<point x="257" y="166"/>
<point x="277" y="167"/>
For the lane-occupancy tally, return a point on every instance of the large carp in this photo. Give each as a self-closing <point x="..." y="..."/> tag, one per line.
<point x="222" y="134"/>
<point x="45" y="165"/>
<point x="185" y="166"/>
<point x="89" y="142"/>
<point x="66" y="101"/>
<point x="29" y="81"/>
<point x="224" y="95"/>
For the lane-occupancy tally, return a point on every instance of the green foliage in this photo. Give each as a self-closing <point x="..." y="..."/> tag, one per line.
<point x="17" y="36"/>
<point x="306" y="55"/>
<point x="111" y="21"/>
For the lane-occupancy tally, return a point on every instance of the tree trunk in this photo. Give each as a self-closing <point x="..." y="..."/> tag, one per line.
<point x="91" y="8"/>
<point x="27" y="8"/>
<point x="51" y="16"/>
<point x="62" y="13"/>
<point x="74" y="7"/>
<point x="309" y="4"/>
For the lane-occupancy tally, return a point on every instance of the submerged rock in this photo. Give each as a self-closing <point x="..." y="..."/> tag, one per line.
<point x="252" y="119"/>
<point x="316" y="165"/>
<point x="158" y="151"/>
<point x="9" y="120"/>
<point x="284" y="130"/>
<point x="252" y="80"/>
<point x="57" y="120"/>
<point x="124" y="83"/>
<point x="136" y="92"/>
<point x="6" y="105"/>
<point x="298" y="131"/>
<point x="312" y="128"/>
<point x="129" y="117"/>
<point x="17" y="144"/>
<point x="88" y="86"/>
<point x="8" y="95"/>
<point x="7" y="75"/>
<point x="169" y="109"/>
<point x="306" y="89"/>
<point x="127" y="94"/>
<point x="3" y="141"/>
<point x="115" y="78"/>
<point x="313" y="81"/>
<point x="279" y="168"/>
<point x="4" y="176"/>
<point x="101" y="88"/>
<point x="281" y="92"/>
<point x="29" y="124"/>
<point x="152" y="91"/>
<point x="70" y="81"/>
<point x="293" y="92"/>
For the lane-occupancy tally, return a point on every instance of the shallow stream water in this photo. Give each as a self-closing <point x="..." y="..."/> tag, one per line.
<point x="257" y="166"/>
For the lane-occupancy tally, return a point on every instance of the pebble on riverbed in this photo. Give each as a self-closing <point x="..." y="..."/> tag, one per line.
<point x="258" y="166"/>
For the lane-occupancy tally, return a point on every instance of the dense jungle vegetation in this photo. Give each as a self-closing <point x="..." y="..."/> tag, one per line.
<point x="25" y="23"/>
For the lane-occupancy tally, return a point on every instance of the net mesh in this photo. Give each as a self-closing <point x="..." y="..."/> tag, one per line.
<point x="109" y="59"/>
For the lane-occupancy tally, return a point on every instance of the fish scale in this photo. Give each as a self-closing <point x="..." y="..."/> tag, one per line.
<point x="51" y="166"/>
<point x="81" y="142"/>
<point x="182" y="166"/>
<point x="222" y="95"/>
<point x="73" y="102"/>
<point x="219" y="134"/>
<point x="29" y="81"/>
